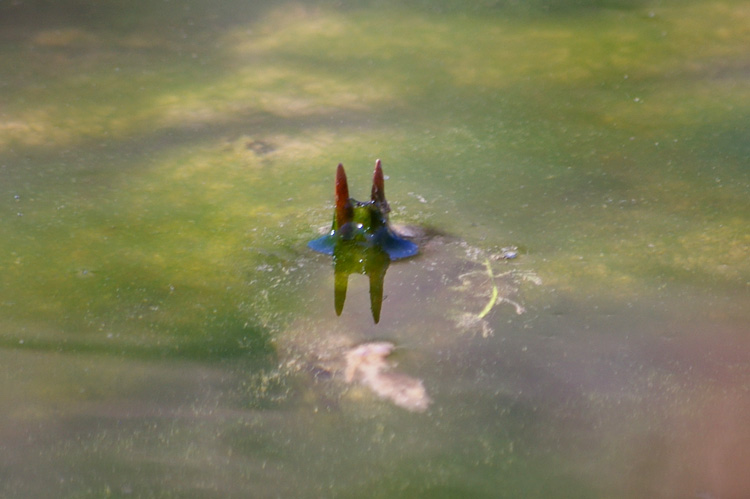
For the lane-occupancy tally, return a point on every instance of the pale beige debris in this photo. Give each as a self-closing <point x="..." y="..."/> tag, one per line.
<point x="367" y="365"/>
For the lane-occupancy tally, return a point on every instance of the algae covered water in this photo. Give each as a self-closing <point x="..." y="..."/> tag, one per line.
<point x="165" y="331"/>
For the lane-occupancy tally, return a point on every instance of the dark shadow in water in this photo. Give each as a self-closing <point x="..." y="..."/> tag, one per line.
<point x="115" y="15"/>
<point x="532" y="8"/>
<point x="235" y="341"/>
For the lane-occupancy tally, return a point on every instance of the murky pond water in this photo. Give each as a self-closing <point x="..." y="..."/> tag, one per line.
<point x="166" y="332"/>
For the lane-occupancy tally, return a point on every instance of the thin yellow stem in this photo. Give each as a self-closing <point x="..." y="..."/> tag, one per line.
<point x="493" y="298"/>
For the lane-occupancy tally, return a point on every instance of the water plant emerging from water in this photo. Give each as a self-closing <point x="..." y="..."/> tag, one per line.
<point x="361" y="240"/>
<point x="155" y="273"/>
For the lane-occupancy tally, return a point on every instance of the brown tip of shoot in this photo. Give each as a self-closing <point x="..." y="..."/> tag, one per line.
<point x="344" y="210"/>
<point x="378" y="188"/>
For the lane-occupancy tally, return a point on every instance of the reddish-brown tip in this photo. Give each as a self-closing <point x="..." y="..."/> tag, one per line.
<point x="344" y="210"/>
<point x="378" y="188"/>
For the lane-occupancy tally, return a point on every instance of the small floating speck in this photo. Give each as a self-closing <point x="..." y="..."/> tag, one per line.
<point x="509" y="253"/>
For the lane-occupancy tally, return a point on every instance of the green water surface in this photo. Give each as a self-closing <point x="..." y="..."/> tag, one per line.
<point x="163" y="165"/>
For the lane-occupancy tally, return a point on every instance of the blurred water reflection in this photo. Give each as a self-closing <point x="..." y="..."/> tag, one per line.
<point x="165" y="330"/>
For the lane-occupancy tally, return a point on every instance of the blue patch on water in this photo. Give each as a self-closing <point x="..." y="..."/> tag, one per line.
<point x="396" y="247"/>
<point x="323" y="244"/>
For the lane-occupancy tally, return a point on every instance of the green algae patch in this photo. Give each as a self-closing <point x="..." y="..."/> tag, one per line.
<point x="163" y="166"/>
<point x="179" y="173"/>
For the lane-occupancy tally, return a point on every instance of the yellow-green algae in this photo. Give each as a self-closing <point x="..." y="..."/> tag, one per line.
<point x="162" y="166"/>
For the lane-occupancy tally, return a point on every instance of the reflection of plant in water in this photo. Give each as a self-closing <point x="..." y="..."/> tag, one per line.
<point x="495" y="288"/>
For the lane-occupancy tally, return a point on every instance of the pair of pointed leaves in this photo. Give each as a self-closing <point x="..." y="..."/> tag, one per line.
<point x="360" y="225"/>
